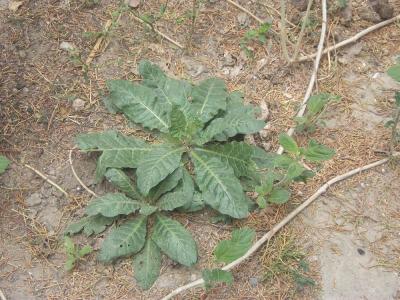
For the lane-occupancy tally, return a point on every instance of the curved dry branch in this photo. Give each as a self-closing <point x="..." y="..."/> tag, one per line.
<point x="76" y="175"/>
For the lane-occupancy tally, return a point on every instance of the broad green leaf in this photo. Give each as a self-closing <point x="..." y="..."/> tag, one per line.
<point x="239" y="120"/>
<point x="394" y="72"/>
<point x="229" y="250"/>
<point x="216" y="276"/>
<point x="85" y="250"/>
<point x="183" y="126"/>
<point x="4" y="162"/>
<point x="236" y="154"/>
<point x="122" y="182"/>
<point x="288" y="143"/>
<point x="174" y="240"/>
<point x="307" y="174"/>
<point x="279" y="196"/>
<point x="266" y="185"/>
<point x="152" y="74"/>
<point x="70" y="263"/>
<point x="316" y="152"/>
<point x="295" y="169"/>
<point x="118" y="151"/>
<point x="127" y="239"/>
<point x="156" y="165"/>
<point x="169" y="183"/>
<point x="90" y="225"/>
<point x="147" y="265"/>
<point x="196" y="204"/>
<point x="139" y="104"/>
<point x="208" y="98"/>
<point x="261" y="202"/>
<point x="112" y="205"/>
<point x="147" y="209"/>
<point x="221" y="189"/>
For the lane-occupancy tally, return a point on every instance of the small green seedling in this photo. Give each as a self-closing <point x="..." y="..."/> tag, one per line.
<point x="254" y="35"/>
<point x="316" y="106"/>
<point x="394" y="72"/>
<point x="74" y="254"/>
<point x="276" y="178"/>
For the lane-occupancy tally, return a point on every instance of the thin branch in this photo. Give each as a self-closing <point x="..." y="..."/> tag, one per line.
<point x="2" y="297"/>
<point x="265" y="238"/>
<point x="302" y="31"/>
<point x="315" y="71"/>
<point x="47" y="179"/>
<point x="159" y="33"/>
<point x="284" y="37"/>
<point x="77" y="177"/>
<point x="352" y="39"/>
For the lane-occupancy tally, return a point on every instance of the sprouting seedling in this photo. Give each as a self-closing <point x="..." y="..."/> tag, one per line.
<point x="4" y="162"/>
<point x="254" y="35"/>
<point x="74" y="253"/>
<point x="316" y="106"/>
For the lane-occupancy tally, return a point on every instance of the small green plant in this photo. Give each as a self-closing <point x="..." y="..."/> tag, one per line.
<point x="394" y="72"/>
<point x="254" y="35"/>
<point x="4" y="162"/>
<point x="280" y="171"/>
<point x="316" y="106"/>
<point x="74" y="254"/>
<point x="195" y="161"/>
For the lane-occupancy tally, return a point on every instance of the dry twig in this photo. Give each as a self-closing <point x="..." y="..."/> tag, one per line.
<point x="2" y="297"/>
<point x="265" y="238"/>
<point x="47" y="179"/>
<point x="315" y="71"/>
<point x="160" y="33"/>
<point x="352" y="39"/>
<point x="77" y="177"/>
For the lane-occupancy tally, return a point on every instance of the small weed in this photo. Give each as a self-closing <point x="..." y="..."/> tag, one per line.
<point x="4" y="162"/>
<point x="74" y="254"/>
<point x="254" y="35"/>
<point x="394" y="72"/>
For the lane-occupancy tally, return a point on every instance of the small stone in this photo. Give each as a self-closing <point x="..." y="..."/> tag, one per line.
<point x="22" y="53"/>
<point x="253" y="281"/>
<point x="361" y="251"/>
<point x="14" y="5"/>
<point x="66" y="46"/>
<point x="243" y="20"/>
<point x="25" y="90"/>
<point x="133" y="3"/>
<point x="78" y="104"/>
<point x="33" y="200"/>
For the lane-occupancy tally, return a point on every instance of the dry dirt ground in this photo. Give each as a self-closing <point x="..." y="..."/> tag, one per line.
<point x="345" y="246"/>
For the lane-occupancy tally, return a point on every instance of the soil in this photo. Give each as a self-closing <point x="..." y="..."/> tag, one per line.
<point x="350" y="235"/>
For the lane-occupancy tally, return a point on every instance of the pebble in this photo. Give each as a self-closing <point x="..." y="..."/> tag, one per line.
<point x="253" y="281"/>
<point x="78" y="104"/>
<point x="66" y="46"/>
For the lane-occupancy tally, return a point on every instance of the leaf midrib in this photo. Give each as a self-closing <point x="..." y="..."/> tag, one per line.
<point x="221" y="154"/>
<point x="207" y="97"/>
<point x="152" y="112"/>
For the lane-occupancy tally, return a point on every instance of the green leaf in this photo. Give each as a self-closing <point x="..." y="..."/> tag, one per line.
<point x="90" y="225"/>
<point x="279" y="196"/>
<point x="288" y="143"/>
<point x="118" y="151"/>
<point x="112" y="205"/>
<point x="147" y="209"/>
<point x="127" y="239"/>
<point x="208" y="98"/>
<point x="196" y="204"/>
<point x="174" y="240"/>
<point x="169" y="183"/>
<point x="69" y="246"/>
<point x="316" y="103"/>
<point x="85" y="250"/>
<point x="394" y="72"/>
<point x="183" y="127"/>
<point x="316" y="152"/>
<point x="147" y="265"/>
<point x="4" y="162"/>
<point x="294" y="170"/>
<point x="122" y="182"/>
<point x="236" y="154"/>
<point x="156" y="165"/>
<point x="70" y="263"/>
<point x="266" y="185"/>
<point x="229" y="250"/>
<point x="216" y="276"/>
<point x="152" y="74"/>
<point x="221" y="189"/>
<point x="139" y="104"/>
<point x="268" y="160"/>
<point x="181" y="196"/>
<point x="261" y="202"/>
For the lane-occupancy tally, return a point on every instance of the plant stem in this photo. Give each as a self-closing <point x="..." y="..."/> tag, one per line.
<point x="394" y="128"/>
<point x="192" y="26"/>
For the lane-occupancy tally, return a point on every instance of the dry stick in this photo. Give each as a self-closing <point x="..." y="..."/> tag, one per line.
<point x="99" y="42"/>
<point x="76" y="175"/>
<point x="315" y="71"/>
<point x="352" y="39"/>
<point x="47" y="179"/>
<point x="2" y="297"/>
<point x="159" y="33"/>
<point x="282" y="223"/>
<point x="283" y="34"/>
<point x="302" y="31"/>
